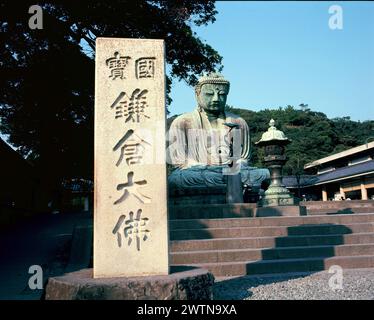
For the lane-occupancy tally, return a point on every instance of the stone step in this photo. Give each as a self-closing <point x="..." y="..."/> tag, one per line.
<point x="278" y="231"/>
<point x="237" y="210"/>
<point x="270" y="242"/>
<point x="212" y="256"/>
<point x="268" y="221"/>
<point x="337" y="205"/>
<point x="286" y="265"/>
<point x="341" y="211"/>
<point x="210" y="211"/>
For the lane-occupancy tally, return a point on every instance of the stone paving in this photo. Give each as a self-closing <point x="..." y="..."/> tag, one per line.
<point x="357" y="284"/>
<point x="42" y="241"/>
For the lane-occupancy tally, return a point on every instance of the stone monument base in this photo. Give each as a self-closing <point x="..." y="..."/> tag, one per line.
<point x="183" y="283"/>
<point x="208" y="195"/>
<point x="273" y="211"/>
<point x="285" y="199"/>
<point x="197" y="195"/>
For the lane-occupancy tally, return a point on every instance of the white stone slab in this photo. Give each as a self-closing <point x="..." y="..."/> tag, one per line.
<point x="130" y="211"/>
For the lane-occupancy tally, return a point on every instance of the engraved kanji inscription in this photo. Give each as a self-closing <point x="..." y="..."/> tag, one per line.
<point x="117" y="65"/>
<point x="132" y="148"/>
<point x="145" y="68"/>
<point x="132" y="187"/>
<point x="131" y="108"/>
<point x="135" y="227"/>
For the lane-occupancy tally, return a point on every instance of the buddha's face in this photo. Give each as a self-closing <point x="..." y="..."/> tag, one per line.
<point x="212" y="97"/>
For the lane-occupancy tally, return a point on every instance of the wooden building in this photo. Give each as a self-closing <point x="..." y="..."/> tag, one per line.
<point x="342" y="176"/>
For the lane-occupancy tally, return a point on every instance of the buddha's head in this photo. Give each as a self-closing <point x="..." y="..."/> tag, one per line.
<point x="211" y="93"/>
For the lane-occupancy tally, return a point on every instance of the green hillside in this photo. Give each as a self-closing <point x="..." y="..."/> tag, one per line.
<point x="313" y="135"/>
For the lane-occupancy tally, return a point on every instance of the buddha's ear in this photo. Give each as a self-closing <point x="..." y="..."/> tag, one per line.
<point x="197" y="94"/>
<point x="198" y="88"/>
<point x="197" y="91"/>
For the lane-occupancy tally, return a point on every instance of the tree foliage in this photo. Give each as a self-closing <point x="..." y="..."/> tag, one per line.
<point x="47" y="75"/>
<point x="313" y="135"/>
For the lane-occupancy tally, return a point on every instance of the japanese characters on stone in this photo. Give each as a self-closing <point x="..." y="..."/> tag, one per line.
<point x="117" y="65"/>
<point x="130" y="221"/>
<point x="131" y="107"/>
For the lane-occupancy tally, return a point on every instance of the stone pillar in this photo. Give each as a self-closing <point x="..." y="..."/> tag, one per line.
<point x="364" y="192"/>
<point x="130" y="210"/>
<point x="234" y="193"/>
<point x="324" y="193"/>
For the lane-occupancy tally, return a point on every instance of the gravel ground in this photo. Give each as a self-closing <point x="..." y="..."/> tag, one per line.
<point x="358" y="284"/>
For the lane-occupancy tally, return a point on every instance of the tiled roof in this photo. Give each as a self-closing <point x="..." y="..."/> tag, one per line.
<point x="345" y="172"/>
<point x="340" y="155"/>
<point x="337" y="174"/>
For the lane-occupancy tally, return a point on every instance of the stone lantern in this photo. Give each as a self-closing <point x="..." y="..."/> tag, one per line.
<point x="274" y="142"/>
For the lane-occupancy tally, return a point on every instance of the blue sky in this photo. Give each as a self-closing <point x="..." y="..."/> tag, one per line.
<point x="280" y="53"/>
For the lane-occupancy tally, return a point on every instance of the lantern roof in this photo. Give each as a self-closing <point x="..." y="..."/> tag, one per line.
<point x="273" y="135"/>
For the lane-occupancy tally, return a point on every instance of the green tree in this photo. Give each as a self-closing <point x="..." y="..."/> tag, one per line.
<point x="313" y="135"/>
<point x="47" y="82"/>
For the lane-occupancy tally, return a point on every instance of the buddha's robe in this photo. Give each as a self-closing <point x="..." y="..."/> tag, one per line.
<point x="201" y="152"/>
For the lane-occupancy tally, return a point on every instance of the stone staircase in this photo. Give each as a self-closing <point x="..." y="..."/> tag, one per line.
<point x="234" y="246"/>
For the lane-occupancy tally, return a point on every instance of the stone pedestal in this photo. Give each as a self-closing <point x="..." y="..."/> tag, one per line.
<point x="234" y="193"/>
<point x="197" y="195"/>
<point x="277" y="195"/>
<point x="212" y="211"/>
<point x="183" y="284"/>
<point x="273" y="211"/>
